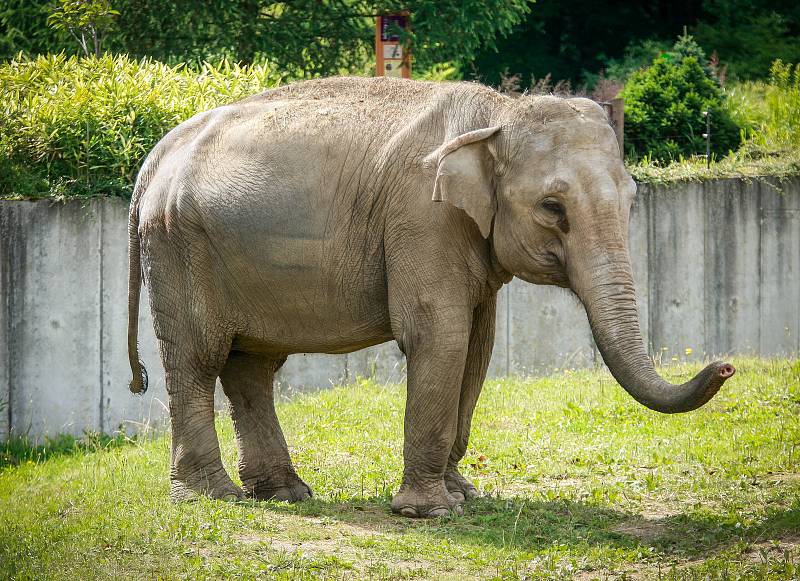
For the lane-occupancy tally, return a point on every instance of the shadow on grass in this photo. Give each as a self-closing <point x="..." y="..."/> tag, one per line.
<point x="21" y="450"/>
<point x="522" y="524"/>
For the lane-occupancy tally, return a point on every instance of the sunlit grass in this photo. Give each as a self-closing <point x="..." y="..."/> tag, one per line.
<point x="577" y="479"/>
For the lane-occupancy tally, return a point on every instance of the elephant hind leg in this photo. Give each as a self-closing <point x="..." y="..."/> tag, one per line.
<point x="193" y="342"/>
<point x="196" y="463"/>
<point x="264" y="464"/>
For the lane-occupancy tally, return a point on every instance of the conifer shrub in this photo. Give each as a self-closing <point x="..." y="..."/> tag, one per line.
<point x="664" y="107"/>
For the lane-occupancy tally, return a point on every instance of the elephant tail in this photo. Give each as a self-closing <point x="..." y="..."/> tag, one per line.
<point x="139" y="382"/>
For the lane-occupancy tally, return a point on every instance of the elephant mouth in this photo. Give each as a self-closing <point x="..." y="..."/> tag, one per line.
<point x="546" y="277"/>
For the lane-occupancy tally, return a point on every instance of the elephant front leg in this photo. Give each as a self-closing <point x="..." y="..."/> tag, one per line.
<point x="264" y="464"/>
<point x="436" y="358"/>
<point x="481" y="341"/>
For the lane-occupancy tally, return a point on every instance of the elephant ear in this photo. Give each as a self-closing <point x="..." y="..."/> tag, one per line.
<point x="464" y="176"/>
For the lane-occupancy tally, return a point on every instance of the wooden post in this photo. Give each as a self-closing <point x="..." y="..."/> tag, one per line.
<point x="392" y="59"/>
<point x="618" y="122"/>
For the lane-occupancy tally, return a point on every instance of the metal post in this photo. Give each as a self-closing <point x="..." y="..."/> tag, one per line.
<point x="707" y="137"/>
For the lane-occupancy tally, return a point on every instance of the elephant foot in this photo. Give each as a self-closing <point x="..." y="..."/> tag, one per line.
<point x="218" y="486"/>
<point x="289" y="489"/>
<point x="425" y="501"/>
<point x="459" y="487"/>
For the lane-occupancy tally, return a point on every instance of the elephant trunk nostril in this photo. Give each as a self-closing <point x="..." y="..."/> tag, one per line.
<point x="726" y="370"/>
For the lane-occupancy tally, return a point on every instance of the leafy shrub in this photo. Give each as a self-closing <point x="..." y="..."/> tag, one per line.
<point x="664" y="107"/>
<point x="74" y="126"/>
<point x="778" y="129"/>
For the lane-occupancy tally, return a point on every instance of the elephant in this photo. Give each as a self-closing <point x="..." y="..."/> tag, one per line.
<point x="330" y="215"/>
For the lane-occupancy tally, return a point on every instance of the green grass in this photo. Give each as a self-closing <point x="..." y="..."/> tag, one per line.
<point x="738" y="164"/>
<point x="578" y="480"/>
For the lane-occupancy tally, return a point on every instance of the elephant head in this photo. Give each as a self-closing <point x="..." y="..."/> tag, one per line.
<point x="545" y="183"/>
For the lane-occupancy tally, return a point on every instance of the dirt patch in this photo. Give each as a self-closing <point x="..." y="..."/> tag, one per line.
<point x="764" y="551"/>
<point x="787" y="477"/>
<point x="646" y="527"/>
<point x="315" y="547"/>
<point x="628" y="574"/>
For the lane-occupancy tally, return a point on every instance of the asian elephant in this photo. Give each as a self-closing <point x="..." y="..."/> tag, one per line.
<point x="333" y="214"/>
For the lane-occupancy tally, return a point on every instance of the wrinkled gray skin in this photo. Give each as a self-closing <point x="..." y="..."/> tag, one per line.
<point x="335" y="214"/>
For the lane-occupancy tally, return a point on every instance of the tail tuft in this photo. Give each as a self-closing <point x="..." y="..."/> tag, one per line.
<point x="139" y="384"/>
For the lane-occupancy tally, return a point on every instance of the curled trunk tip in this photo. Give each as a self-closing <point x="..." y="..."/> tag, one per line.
<point x="702" y="387"/>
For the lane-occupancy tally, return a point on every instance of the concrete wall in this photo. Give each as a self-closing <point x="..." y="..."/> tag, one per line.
<point x="717" y="267"/>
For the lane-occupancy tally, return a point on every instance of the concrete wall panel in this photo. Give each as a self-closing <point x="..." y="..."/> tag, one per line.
<point x="55" y="343"/>
<point x="6" y="218"/>
<point x="676" y="282"/>
<point x="384" y="363"/>
<point x="638" y="240"/>
<point x="732" y="229"/>
<point x="780" y="269"/>
<point x="548" y="329"/>
<point x="303" y="373"/>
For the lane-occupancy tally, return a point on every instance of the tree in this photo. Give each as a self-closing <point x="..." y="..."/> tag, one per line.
<point x="749" y="34"/>
<point x="86" y="20"/>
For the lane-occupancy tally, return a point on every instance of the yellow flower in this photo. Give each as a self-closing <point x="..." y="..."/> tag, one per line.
<point x="688" y="351"/>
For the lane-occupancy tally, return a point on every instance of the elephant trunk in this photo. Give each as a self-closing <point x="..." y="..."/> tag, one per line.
<point x="610" y="301"/>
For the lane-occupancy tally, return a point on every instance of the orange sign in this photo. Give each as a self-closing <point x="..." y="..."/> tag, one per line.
<point x="393" y="58"/>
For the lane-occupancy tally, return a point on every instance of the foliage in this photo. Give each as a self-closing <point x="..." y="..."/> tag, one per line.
<point x="637" y="55"/>
<point x="23" y="28"/>
<point x="749" y="34"/>
<point x="736" y="164"/>
<point x="777" y="130"/>
<point x="85" y="20"/>
<point x="574" y="39"/>
<point x="304" y="38"/>
<point x="665" y="105"/>
<point x="448" y="71"/>
<point x="578" y="481"/>
<point x="76" y="126"/>
<point x="21" y="450"/>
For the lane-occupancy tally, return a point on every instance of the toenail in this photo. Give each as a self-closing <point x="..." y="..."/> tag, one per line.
<point x="408" y="511"/>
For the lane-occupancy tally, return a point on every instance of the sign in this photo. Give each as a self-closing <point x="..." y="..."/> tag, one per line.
<point x="393" y="59"/>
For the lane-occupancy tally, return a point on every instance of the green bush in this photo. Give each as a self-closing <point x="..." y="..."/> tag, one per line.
<point x="74" y="126"/>
<point x="664" y="107"/>
<point x="778" y="131"/>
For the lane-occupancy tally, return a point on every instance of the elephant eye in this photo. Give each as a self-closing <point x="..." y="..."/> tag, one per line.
<point x="557" y="209"/>
<point x="554" y="207"/>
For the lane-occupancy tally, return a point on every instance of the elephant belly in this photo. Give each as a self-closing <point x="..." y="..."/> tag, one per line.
<point x="293" y="294"/>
